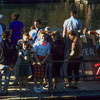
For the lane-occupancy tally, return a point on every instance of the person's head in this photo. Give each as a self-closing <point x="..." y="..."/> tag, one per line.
<point x="37" y="23"/>
<point x="6" y="35"/>
<point x="42" y="36"/>
<point x="73" y="13"/>
<point x="1" y="17"/>
<point x="72" y="35"/>
<point x="55" y="35"/>
<point x="15" y="16"/>
<point x="26" y="37"/>
<point x="32" y="27"/>
<point x="25" y="45"/>
<point x="47" y="30"/>
<point x="85" y="30"/>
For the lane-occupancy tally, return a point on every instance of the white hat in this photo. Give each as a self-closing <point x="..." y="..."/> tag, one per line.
<point x="1" y="16"/>
<point x="98" y="31"/>
<point x="47" y="28"/>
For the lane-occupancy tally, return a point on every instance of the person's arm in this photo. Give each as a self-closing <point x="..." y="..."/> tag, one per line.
<point x="72" y="53"/>
<point x="65" y="27"/>
<point x="35" y="49"/>
<point x="48" y="53"/>
<point x="10" y="33"/>
<point x="80" y="26"/>
<point x="43" y="61"/>
<point x="36" y="57"/>
<point x="23" y="30"/>
<point x="64" y="31"/>
<point x="1" y="30"/>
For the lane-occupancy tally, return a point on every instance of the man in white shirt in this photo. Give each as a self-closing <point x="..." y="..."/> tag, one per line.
<point x="35" y="32"/>
<point x="72" y="24"/>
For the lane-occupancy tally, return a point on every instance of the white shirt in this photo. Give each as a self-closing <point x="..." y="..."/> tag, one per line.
<point x="1" y="30"/>
<point x="40" y="49"/>
<point x="33" y="34"/>
<point x="98" y="31"/>
<point x="72" y="24"/>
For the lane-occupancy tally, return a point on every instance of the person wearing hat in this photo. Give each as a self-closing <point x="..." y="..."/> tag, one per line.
<point x="48" y="34"/>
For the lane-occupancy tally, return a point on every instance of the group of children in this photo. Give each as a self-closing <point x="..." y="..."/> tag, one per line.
<point x="34" y="54"/>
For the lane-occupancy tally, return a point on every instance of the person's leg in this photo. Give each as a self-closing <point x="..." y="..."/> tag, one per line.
<point x="26" y="84"/>
<point x="56" y="81"/>
<point x="35" y="86"/>
<point x="20" y="84"/>
<point x="7" y="78"/>
<point x="35" y="82"/>
<point x="17" y="70"/>
<point x="69" y="73"/>
<point x="0" y="82"/>
<point x="31" y="72"/>
<point x="76" y="72"/>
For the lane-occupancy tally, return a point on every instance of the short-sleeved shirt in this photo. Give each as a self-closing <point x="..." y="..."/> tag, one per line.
<point x="16" y="27"/>
<point x="35" y="34"/>
<point x="98" y="31"/>
<point x="40" y="49"/>
<point x="72" y="24"/>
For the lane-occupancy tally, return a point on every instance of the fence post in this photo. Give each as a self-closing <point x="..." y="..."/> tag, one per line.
<point x="50" y="78"/>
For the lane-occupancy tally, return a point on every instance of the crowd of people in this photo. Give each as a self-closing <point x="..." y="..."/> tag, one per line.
<point x="27" y="53"/>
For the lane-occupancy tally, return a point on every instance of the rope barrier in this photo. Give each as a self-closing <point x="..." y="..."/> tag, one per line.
<point x="73" y="61"/>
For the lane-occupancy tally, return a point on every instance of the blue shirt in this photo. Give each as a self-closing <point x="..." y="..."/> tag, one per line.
<point x="72" y="24"/>
<point x="16" y="27"/>
<point x="40" y="49"/>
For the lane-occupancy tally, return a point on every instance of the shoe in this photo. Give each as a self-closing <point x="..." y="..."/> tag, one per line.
<point x="47" y="86"/>
<point x="20" y="91"/>
<point x="31" y="78"/>
<point x="41" y="88"/>
<point x="68" y="86"/>
<point x="1" y="94"/>
<point x="36" y="90"/>
<point x="27" y="90"/>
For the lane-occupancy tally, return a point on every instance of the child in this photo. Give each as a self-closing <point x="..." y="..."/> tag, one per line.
<point x="25" y="38"/>
<point x="24" y="55"/>
<point x="41" y="53"/>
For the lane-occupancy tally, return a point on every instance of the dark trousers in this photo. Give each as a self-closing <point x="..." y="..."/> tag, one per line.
<point x="73" y="67"/>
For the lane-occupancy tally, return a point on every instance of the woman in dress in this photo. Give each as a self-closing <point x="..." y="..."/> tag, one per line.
<point x="41" y="52"/>
<point x="74" y="58"/>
